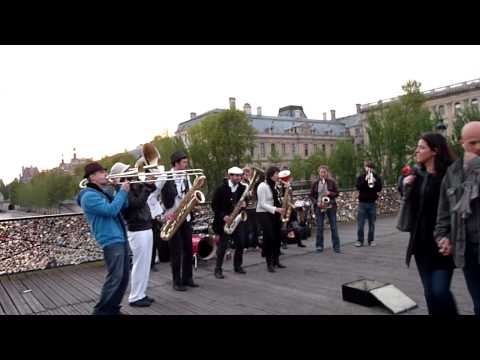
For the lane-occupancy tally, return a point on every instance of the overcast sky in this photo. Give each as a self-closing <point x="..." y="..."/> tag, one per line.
<point x="104" y="99"/>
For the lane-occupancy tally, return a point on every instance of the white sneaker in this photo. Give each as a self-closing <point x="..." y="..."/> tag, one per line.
<point x="358" y="244"/>
<point x="373" y="243"/>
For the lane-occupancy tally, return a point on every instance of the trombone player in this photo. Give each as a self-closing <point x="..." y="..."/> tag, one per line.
<point x="225" y="199"/>
<point x="172" y="194"/>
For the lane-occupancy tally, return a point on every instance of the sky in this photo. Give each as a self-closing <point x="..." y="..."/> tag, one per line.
<point x="102" y="100"/>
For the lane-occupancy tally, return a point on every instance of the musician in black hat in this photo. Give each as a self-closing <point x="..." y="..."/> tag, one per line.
<point x="103" y="210"/>
<point x="225" y="199"/>
<point x="181" y="243"/>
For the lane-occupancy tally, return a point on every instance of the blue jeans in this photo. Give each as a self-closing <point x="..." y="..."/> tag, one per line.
<point x="366" y="211"/>
<point x="471" y="271"/>
<point x="332" y="218"/>
<point x="436" y="286"/>
<point x="116" y="281"/>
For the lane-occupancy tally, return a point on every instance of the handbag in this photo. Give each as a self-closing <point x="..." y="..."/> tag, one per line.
<point x="405" y="218"/>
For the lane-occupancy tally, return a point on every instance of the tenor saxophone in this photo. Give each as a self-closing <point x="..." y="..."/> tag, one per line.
<point x="191" y="199"/>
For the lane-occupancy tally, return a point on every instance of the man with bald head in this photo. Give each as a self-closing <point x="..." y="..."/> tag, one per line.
<point x="458" y="221"/>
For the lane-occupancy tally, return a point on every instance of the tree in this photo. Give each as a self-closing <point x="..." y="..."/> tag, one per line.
<point x="219" y="142"/>
<point x="464" y="116"/>
<point x="343" y="162"/>
<point x="394" y="130"/>
<point x="299" y="168"/>
<point x="313" y="162"/>
<point x="274" y="157"/>
<point x="166" y="146"/>
<point x="3" y="189"/>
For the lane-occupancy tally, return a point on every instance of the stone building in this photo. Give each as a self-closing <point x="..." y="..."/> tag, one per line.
<point x="289" y="133"/>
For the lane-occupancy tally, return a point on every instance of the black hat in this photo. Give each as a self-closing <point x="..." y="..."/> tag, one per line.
<point x="177" y="156"/>
<point x="92" y="168"/>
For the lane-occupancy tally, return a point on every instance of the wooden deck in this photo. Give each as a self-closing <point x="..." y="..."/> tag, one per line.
<point x="311" y="283"/>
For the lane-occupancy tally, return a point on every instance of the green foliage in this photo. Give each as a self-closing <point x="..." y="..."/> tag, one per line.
<point x="166" y="146"/>
<point x="3" y="189"/>
<point x="464" y="116"/>
<point x="300" y="168"/>
<point x="394" y="129"/>
<point x="123" y="157"/>
<point x="274" y="157"/>
<point x="343" y="163"/>
<point x="219" y="142"/>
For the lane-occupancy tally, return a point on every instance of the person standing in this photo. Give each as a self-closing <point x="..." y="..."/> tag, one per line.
<point x="181" y="254"/>
<point x="369" y="184"/>
<point x="269" y="211"/>
<point x="421" y="196"/>
<point x="457" y="231"/>
<point x="102" y="212"/>
<point x="225" y="198"/>
<point x="140" y="237"/>
<point x="322" y="189"/>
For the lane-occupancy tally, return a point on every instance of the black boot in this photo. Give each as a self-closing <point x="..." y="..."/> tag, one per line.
<point x="270" y="268"/>
<point x="219" y="274"/>
<point x="278" y="264"/>
<point x="301" y="245"/>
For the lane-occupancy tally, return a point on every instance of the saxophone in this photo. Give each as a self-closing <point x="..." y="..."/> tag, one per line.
<point x="191" y="199"/>
<point x="286" y="205"/>
<point x="238" y="215"/>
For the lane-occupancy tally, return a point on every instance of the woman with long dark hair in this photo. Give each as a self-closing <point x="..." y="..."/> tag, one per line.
<point x="269" y="210"/>
<point x="422" y="192"/>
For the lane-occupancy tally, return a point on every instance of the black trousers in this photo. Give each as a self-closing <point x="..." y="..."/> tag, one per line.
<point x="181" y="254"/>
<point x="251" y="229"/>
<point x="271" y="226"/>
<point x="238" y="238"/>
<point x="159" y="246"/>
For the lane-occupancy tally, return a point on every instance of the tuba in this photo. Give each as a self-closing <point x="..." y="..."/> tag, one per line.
<point x="190" y="200"/>
<point x="238" y="215"/>
<point x="150" y="158"/>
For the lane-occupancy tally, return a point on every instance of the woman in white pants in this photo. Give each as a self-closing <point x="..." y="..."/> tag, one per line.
<point x="140" y="237"/>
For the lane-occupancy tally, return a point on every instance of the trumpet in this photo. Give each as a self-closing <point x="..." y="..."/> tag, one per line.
<point x="370" y="178"/>
<point x="150" y="176"/>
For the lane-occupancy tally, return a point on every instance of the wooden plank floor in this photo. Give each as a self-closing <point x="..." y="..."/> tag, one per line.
<point x="311" y="283"/>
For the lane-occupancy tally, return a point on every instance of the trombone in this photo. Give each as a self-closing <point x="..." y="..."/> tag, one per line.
<point x="155" y="173"/>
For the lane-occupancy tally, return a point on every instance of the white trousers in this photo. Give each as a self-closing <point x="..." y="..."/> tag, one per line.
<point x="141" y="243"/>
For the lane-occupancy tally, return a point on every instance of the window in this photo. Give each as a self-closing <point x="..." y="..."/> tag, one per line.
<point x="251" y="152"/>
<point x="262" y="150"/>
<point x="305" y="146"/>
<point x="331" y="147"/>
<point x="474" y="102"/>
<point x="357" y="131"/>
<point x="272" y="148"/>
<point x="294" y="149"/>
<point x="458" y="106"/>
<point x="441" y="111"/>
<point x="284" y="149"/>
<point x="315" y="147"/>
<point x="323" y="147"/>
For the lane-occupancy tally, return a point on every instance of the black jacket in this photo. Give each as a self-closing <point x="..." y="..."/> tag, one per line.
<point x="331" y="187"/>
<point x="223" y="203"/>
<point x="365" y="193"/>
<point x="137" y="215"/>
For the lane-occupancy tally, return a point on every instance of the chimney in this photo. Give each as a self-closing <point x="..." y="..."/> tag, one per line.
<point x="333" y="114"/>
<point x="247" y="109"/>
<point x="232" y="103"/>
<point x="192" y="115"/>
<point x="259" y="111"/>
<point x="359" y="107"/>
<point x="324" y="116"/>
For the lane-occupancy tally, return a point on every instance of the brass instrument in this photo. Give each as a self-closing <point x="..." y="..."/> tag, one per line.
<point x="190" y="200"/>
<point x="370" y="178"/>
<point x="150" y="176"/>
<point x="238" y="215"/>
<point x="286" y="205"/>
<point x="325" y="200"/>
<point x="150" y="158"/>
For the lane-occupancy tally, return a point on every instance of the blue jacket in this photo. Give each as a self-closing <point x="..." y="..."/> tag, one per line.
<point x="103" y="216"/>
